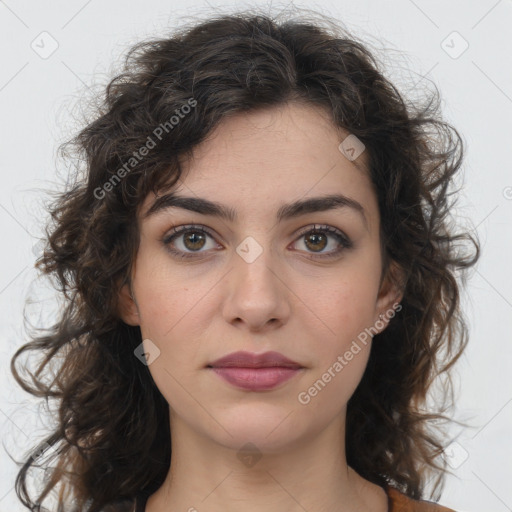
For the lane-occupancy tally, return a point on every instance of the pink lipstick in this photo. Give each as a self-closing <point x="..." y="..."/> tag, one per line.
<point x="255" y="372"/>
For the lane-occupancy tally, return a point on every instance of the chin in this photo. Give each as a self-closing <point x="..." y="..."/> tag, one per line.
<point x="269" y="427"/>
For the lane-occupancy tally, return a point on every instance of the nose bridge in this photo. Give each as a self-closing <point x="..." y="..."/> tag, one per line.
<point x="256" y="293"/>
<point x="254" y="263"/>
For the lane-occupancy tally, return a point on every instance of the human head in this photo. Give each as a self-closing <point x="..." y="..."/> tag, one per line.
<point x="226" y="67"/>
<point x="250" y="285"/>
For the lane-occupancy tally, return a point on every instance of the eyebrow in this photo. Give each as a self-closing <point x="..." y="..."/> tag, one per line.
<point x="285" y="212"/>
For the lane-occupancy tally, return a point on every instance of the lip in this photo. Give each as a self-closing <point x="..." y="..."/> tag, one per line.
<point x="255" y="372"/>
<point x="256" y="379"/>
<point x="243" y="359"/>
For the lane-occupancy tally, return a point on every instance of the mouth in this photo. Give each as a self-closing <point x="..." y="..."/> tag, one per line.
<point x="255" y="372"/>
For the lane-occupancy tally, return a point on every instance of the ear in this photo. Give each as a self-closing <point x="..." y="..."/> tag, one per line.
<point x="389" y="296"/>
<point x="127" y="307"/>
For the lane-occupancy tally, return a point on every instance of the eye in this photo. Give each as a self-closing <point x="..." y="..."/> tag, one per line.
<point x="317" y="239"/>
<point x="191" y="239"/>
<point x="194" y="240"/>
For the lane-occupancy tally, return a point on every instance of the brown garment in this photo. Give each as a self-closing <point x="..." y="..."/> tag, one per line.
<point x="397" y="502"/>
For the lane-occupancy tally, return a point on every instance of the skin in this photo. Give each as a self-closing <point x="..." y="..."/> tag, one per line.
<point x="215" y="303"/>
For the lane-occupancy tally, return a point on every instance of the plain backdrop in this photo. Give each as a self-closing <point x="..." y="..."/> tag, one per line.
<point x="52" y="51"/>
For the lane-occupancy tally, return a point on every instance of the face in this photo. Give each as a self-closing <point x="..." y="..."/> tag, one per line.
<point x="301" y="282"/>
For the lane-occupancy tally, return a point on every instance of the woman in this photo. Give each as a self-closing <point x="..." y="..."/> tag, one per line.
<point x="259" y="278"/>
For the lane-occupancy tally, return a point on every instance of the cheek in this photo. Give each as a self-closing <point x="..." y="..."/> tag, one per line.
<point x="343" y="308"/>
<point x="329" y="391"/>
<point x="341" y="353"/>
<point x="174" y="309"/>
<point x="164" y="292"/>
<point x="170" y="314"/>
<point x="344" y="304"/>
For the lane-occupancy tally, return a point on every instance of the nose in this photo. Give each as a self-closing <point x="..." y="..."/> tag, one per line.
<point x="257" y="295"/>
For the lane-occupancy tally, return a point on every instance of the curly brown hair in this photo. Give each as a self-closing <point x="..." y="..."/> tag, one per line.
<point x="112" y="437"/>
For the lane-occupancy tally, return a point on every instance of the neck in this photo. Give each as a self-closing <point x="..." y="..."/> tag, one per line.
<point x="308" y="474"/>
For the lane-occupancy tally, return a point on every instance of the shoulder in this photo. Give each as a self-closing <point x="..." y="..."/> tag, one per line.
<point x="399" y="502"/>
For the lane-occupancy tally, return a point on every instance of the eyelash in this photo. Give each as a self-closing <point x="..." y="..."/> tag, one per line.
<point x="342" y="239"/>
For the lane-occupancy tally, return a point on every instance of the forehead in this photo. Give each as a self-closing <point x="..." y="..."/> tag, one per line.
<point x="267" y="157"/>
<point x="277" y="138"/>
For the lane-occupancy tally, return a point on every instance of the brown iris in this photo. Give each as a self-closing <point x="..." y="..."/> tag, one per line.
<point x="315" y="238"/>
<point x="194" y="237"/>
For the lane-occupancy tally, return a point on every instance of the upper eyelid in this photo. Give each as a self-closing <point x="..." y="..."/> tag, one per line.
<point x="179" y="230"/>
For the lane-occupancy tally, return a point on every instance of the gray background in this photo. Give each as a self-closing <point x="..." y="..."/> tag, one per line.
<point x="38" y="100"/>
